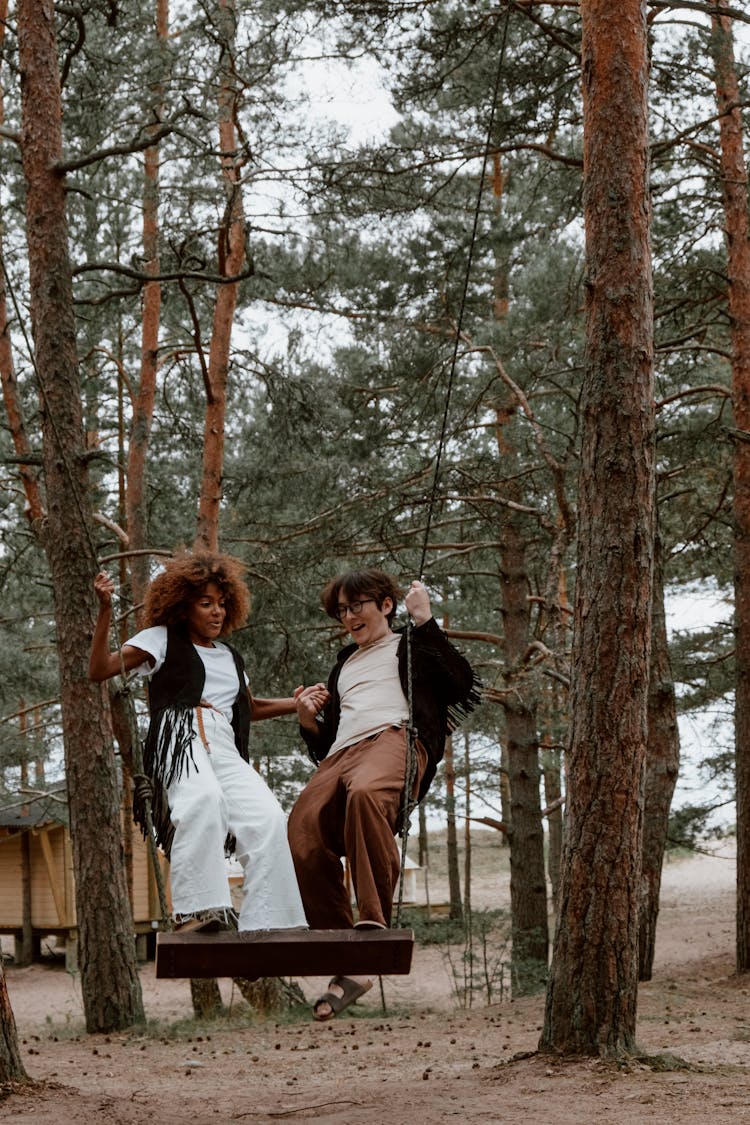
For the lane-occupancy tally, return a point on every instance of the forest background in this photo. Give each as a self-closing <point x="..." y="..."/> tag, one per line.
<point x="209" y="212"/>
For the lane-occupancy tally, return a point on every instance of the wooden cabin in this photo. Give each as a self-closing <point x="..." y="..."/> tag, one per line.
<point x="37" y="886"/>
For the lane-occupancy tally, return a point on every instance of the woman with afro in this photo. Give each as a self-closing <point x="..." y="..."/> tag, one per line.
<point x="205" y="792"/>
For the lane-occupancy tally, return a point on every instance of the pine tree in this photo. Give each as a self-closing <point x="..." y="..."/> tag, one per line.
<point x="591" y="997"/>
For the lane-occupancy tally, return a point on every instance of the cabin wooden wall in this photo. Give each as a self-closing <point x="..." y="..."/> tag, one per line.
<point x="53" y="885"/>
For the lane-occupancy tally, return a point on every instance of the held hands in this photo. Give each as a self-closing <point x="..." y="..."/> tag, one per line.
<point x="417" y="602"/>
<point x="104" y="588"/>
<point x="309" y="701"/>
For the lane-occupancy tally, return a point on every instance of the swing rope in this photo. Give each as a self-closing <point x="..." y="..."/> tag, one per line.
<point x="141" y="782"/>
<point x="410" y="772"/>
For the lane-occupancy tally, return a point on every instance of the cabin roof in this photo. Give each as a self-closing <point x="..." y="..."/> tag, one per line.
<point x="29" y="810"/>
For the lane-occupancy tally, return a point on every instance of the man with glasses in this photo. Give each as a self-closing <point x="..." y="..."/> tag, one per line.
<point x="352" y="804"/>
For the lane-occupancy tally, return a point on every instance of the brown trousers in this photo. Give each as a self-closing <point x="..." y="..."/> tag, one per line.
<point x="350" y="807"/>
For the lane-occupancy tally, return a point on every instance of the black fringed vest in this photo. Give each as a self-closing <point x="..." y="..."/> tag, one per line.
<point x="174" y="693"/>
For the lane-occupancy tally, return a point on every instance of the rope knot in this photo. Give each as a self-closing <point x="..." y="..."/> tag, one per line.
<point x="143" y="788"/>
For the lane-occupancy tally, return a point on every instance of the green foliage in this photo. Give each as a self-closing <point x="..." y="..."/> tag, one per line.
<point x="358" y="256"/>
<point x="689" y="826"/>
<point x="442" y="931"/>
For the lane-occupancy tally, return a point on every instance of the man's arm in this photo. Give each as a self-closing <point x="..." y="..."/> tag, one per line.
<point x="459" y="683"/>
<point x="317" y="724"/>
<point x="457" y="678"/>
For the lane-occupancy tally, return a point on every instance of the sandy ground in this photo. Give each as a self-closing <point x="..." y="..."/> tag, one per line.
<point x="426" y="1059"/>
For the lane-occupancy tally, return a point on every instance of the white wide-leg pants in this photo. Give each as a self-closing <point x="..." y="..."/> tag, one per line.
<point x="223" y="794"/>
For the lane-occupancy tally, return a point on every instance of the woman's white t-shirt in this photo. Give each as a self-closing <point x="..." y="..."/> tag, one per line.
<point x="221" y="686"/>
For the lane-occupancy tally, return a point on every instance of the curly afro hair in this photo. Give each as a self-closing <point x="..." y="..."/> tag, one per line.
<point x="183" y="580"/>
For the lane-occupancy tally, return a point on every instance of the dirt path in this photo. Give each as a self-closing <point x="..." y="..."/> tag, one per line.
<point x="426" y="1061"/>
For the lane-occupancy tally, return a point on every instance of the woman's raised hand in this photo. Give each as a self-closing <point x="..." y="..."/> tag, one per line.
<point x="104" y="588"/>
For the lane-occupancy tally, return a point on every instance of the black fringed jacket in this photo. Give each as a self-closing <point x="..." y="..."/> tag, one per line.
<point x="445" y="689"/>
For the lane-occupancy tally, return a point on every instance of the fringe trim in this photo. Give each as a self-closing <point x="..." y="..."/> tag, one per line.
<point x="462" y="708"/>
<point x="167" y="752"/>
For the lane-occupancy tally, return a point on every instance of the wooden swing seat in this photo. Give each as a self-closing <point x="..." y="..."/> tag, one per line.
<point x="282" y="953"/>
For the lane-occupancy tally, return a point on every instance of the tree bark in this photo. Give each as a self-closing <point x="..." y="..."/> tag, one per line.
<point x="11" y="1067"/>
<point x="451" y="839"/>
<point x="109" y="979"/>
<point x="231" y="258"/>
<point x="528" y="885"/>
<point x="505" y="814"/>
<point x="143" y="407"/>
<point x="592" y="991"/>
<point x="662" y="767"/>
<point x="264" y="995"/>
<point x="11" y="397"/>
<point x="467" y="829"/>
<point x="737" y="226"/>
<point x="552" y="795"/>
<point x="206" y="997"/>
<point x="424" y="851"/>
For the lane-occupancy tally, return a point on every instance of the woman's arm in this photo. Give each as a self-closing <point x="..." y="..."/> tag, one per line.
<point x="311" y="699"/>
<point x="103" y="663"/>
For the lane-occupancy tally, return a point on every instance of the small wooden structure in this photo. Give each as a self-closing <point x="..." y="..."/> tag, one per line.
<point x="278" y="953"/>
<point x="37" y="886"/>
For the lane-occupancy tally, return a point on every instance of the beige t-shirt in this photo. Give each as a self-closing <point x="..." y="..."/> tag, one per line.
<point x="370" y="693"/>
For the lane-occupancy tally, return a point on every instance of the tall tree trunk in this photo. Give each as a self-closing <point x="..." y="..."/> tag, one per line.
<point x="467" y="829"/>
<point x="424" y="851"/>
<point x="109" y="978"/>
<point x="11" y="397"/>
<point x="143" y="406"/>
<point x="231" y="259"/>
<point x="557" y="612"/>
<point x="424" y="854"/>
<point x="552" y="795"/>
<point x="528" y="884"/>
<point x="737" y="226"/>
<point x="500" y="303"/>
<point x="662" y="767"/>
<point x="12" y="403"/>
<point x="451" y="839"/>
<point x="592" y="992"/>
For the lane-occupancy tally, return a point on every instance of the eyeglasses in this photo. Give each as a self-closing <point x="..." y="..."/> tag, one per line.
<point x="355" y="608"/>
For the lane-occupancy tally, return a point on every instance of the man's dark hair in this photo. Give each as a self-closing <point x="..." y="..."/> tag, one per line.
<point x="356" y="585"/>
